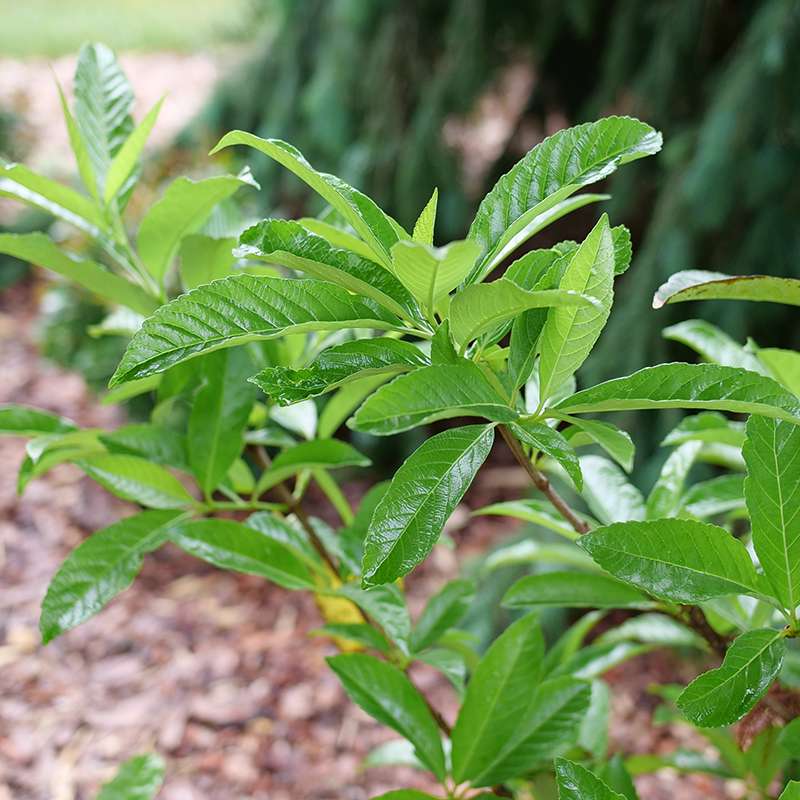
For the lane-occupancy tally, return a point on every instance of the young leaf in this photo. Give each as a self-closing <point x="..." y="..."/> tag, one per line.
<point x="550" y="725"/>
<point x="339" y="365"/>
<point x="371" y="224"/>
<point x="431" y="272"/>
<point x="40" y="249"/>
<point x="430" y="394"/>
<point x="665" y="497"/>
<point x="496" y="697"/>
<point x="125" y="160"/>
<point x="443" y="611"/>
<point x="713" y="345"/>
<point x="182" y="209"/>
<point x="316" y="454"/>
<point x="773" y="500"/>
<point x="99" y="569"/>
<point x="241" y="548"/>
<point x="240" y="309"/>
<point x="338" y="237"/>
<point x="555" y="169"/>
<point x="577" y="783"/>
<point x="387" y="695"/>
<point x="783" y="364"/>
<point x="481" y="307"/>
<point x="422" y="495"/>
<point x="219" y="415"/>
<point x="289" y="244"/>
<point x="688" y="386"/>
<point x="573" y="590"/>
<point x="139" y="778"/>
<point x="700" y="285"/>
<point x="570" y="333"/>
<point x="547" y="440"/>
<point x="724" y="695"/>
<point x="203" y="259"/>
<point x="426" y="222"/>
<point x="17" y="420"/>
<point x="617" y="443"/>
<point x="608" y="493"/>
<point x="136" y="479"/>
<point x="675" y="559"/>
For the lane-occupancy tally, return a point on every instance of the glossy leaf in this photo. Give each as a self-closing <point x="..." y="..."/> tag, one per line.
<point x="136" y="479"/>
<point x="371" y="224"/>
<point x="724" y="695"/>
<point x="444" y="610"/>
<point x="688" y="386"/>
<point x="555" y="169"/>
<point x="387" y="695"/>
<point x="608" y="493"/>
<point x="430" y="394"/>
<point x="99" y="569"/>
<point x="700" y="285"/>
<point x="204" y="259"/>
<point x="616" y="442"/>
<point x="707" y="426"/>
<point x="715" y="496"/>
<point x="675" y="559"/>
<point x="240" y="309"/>
<point x="573" y="590"/>
<point x="772" y="490"/>
<point x="183" y="208"/>
<point x="139" y="778"/>
<point x="19" y="420"/>
<point x="544" y="439"/>
<point x="39" y="249"/>
<point x="496" y="698"/>
<point x="421" y="497"/>
<point x="713" y="344"/>
<point x="291" y="245"/>
<point x="570" y="333"/>
<point x="577" y="783"/>
<point x="426" y="222"/>
<point x="241" y="548"/>
<point x="339" y="365"/>
<point x="665" y="497"/>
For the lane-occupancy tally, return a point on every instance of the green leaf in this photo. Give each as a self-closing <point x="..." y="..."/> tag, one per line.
<point x="442" y="350"/>
<point x="139" y="778"/>
<point x="219" y="415"/>
<point x="496" y="698"/>
<point x="430" y="394"/>
<point x="536" y="512"/>
<point x="791" y="791"/>
<point x="316" y="454"/>
<point x="550" y="725"/>
<point x="103" y="102"/>
<point x="39" y="249"/>
<point x="289" y="244"/>
<point x="137" y="480"/>
<point x="426" y="222"/>
<point x="715" y="496"/>
<point x="444" y="610"/>
<point x="773" y="500"/>
<point x="184" y="207"/>
<point x="783" y="364"/>
<point x="570" y="333"/>
<point x="789" y="738"/>
<point x="204" y="259"/>
<point x="675" y="559"/>
<point x="153" y="442"/>
<point x="481" y="307"/>
<point x="371" y="224"/>
<point x="20" y="183"/>
<point x="623" y="250"/>
<point x="573" y="590"/>
<point x="423" y="493"/>
<point x="699" y="285"/>
<point x="664" y="499"/>
<point x="431" y="272"/>
<point x="577" y="783"/>
<point x="708" y="426"/>
<point x="231" y="545"/>
<point x="531" y="551"/>
<point x="345" y="400"/>
<point x="18" y="420"/>
<point x="99" y="569"/>
<point x="555" y="169"/>
<point x="608" y="493"/>
<point x="358" y="632"/>
<point x="338" y="237"/>
<point x="652" y="628"/>
<point x="337" y="366"/>
<point x="617" y="443"/>
<point x="79" y="148"/>
<point x="713" y="345"/>
<point x="724" y="695"/>
<point x="405" y="794"/>
<point x="542" y="438"/>
<point x="126" y="159"/>
<point x="688" y="386"/>
<point x="387" y="695"/>
<point x="240" y="309"/>
<point x="386" y="606"/>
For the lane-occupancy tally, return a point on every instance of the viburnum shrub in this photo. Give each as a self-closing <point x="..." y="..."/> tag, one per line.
<point x="281" y="337"/>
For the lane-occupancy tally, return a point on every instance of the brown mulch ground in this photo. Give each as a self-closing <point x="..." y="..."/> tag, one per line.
<point x="213" y="670"/>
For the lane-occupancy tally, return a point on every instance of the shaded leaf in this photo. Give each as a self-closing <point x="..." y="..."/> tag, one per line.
<point x="204" y="259"/>
<point x="387" y="607"/>
<point x="573" y="590"/>
<point x="608" y="493"/>
<point x="444" y="610"/>
<point x="544" y="439"/>
<point x="19" y="420"/>
<point x="699" y="285"/>
<point x="665" y="497"/>
<point x="713" y="345"/>
<point x="616" y="442"/>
